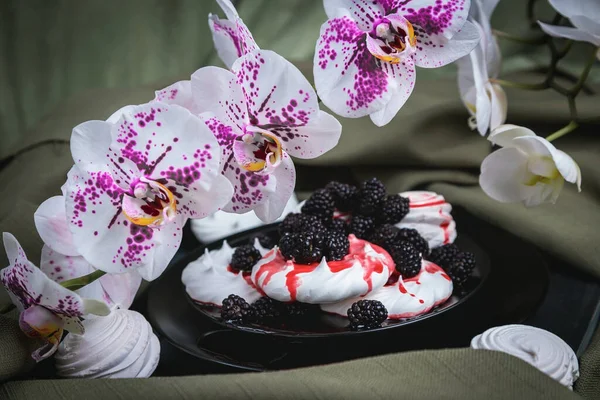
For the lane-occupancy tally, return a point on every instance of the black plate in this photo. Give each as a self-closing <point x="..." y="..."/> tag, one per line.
<point x="516" y="283"/>
<point x="318" y="324"/>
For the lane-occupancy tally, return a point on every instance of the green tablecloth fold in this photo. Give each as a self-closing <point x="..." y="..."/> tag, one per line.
<point x="448" y="374"/>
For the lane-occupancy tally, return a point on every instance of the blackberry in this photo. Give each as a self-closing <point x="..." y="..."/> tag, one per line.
<point x="236" y="309"/>
<point x="297" y="223"/>
<point x="367" y="314"/>
<point x="393" y="209"/>
<point x="320" y="204"/>
<point x="303" y="248"/>
<point x="266" y="308"/>
<point x="384" y="235"/>
<point x="361" y="226"/>
<point x="344" y="195"/>
<point x="407" y="259"/>
<point x="370" y="197"/>
<point x="461" y="267"/>
<point x="413" y="237"/>
<point x="338" y="225"/>
<point x="337" y="246"/>
<point x="444" y="255"/>
<point x="245" y="257"/>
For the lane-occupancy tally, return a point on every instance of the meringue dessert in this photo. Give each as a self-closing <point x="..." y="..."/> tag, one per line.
<point x="120" y="345"/>
<point x="355" y="252"/>
<point x="210" y="278"/>
<point x="538" y="347"/>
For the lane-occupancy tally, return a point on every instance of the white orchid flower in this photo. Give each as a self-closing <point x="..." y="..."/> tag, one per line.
<point x="262" y="112"/>
<point x="583" y="14"/>
<point x="527" y="168"/>
<point x="61" y="261"/>
<point x="46" y="308"/>
<point x="366" y="54"/>
<point x="137" y="178"/>
<point x="231" y="37"/>
<point x="485" y="101"/>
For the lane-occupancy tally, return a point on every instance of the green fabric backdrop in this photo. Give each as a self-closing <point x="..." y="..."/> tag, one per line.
<point x="53" y="49"/>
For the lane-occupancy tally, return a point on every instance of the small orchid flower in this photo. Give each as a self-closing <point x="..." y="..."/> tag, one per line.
<point x="528" y="168"/>
<point x="485" y="101"/>
<point x="262" y="112"/>
<point x="231" y="37"/>
<point x="137" y="178"/>
<point x="60" y="260"/>
<point x="46" y="307"/>
<point x="367" y="50"/>
<point x="583" y="14"/>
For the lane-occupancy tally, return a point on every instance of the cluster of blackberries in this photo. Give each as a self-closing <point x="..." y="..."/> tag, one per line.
<point x="458" y="264"/>
<point x="406" y="247"/>
<point x="236" y="309"/>
<point x="369" y="201"/>
<point x="306" y="239"/>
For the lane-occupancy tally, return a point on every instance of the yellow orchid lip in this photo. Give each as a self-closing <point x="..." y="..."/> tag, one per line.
<point x="263" y="154"/>
<point x="396" y="40"/>
<point x="147" y="211"/>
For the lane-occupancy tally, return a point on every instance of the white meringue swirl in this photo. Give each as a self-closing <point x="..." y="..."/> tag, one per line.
<point x="406" y="298"/>
<point x="367" y="267"/>
<point x="540" y="348"/>
<point x="429" y="214"/>
<point x="208" y="280"/>
<point x="120" y="345"/>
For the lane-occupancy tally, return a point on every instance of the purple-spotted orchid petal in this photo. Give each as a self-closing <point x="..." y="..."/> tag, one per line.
<point x="60" y="260"/>
<point x="231" y="37"/>
<point x="365" y="56"/>
<point x="262" y="111"/>
<point x="179" y="93"/>
<point x="585" y="17"/>
<point x="46" y="307"/>
<point x="161" y="166"/>
<point x="528" y="169"/>
<point x="485" y="101"/>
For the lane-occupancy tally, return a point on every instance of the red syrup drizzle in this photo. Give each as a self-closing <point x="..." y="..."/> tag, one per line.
<point x="444" y="225"/>
<point x="247" y="277"/>
<point x="356" y="253"/>
<point x="432" y="204"/>
<point x="430" y="268"/>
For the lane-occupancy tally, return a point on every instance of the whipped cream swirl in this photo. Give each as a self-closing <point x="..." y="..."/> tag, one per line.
<point x="540" y="348"/>
<point x="367" y="267"/>
<point x="210" y="279"/>
<point x="222" y="224"/>
<point x="406" y="298"/>
<point x="120" y="345"/>
<point x="429" y="214"/>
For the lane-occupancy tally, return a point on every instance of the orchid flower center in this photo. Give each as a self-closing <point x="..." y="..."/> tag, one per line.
<point x="542" y="169"/>
<point x="40" y="323"/>
<point x="149" y="204"/>
<point x="258" y="150"/>
<point x="394" y="37"/>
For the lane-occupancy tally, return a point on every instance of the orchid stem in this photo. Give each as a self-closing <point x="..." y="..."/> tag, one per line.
<point x="525" y="86"/>
<point x="584" y="75"/>
<point x="78" y="283"/>
<point x="519" y="39"/>
<point x="563" y="131"/>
